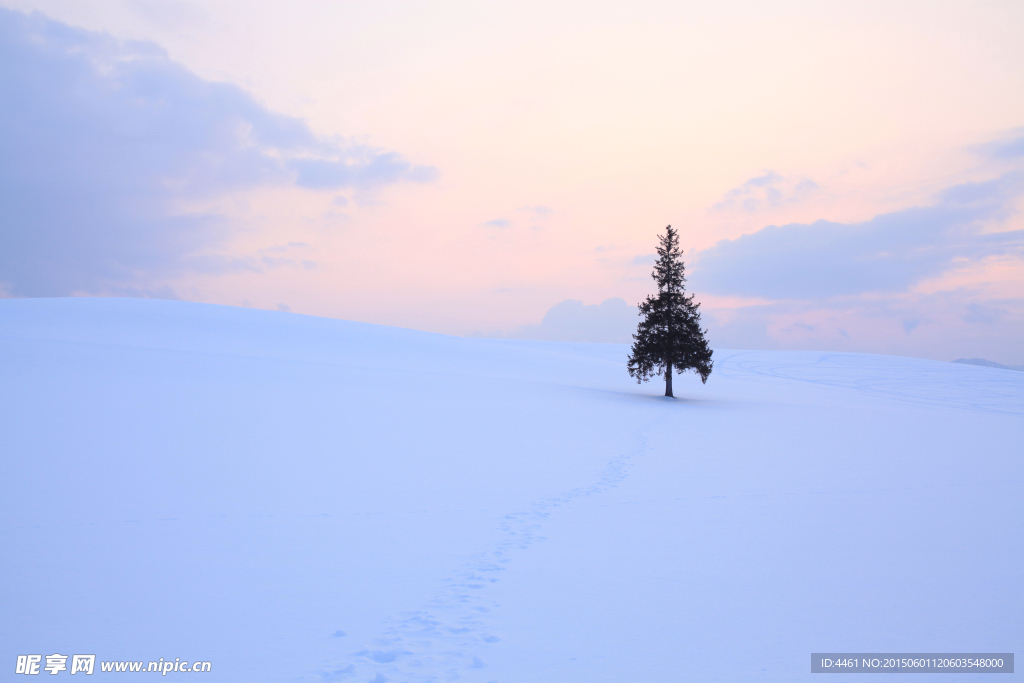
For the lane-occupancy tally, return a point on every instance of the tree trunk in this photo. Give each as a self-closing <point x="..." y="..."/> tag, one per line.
<point x="668" y="381"/>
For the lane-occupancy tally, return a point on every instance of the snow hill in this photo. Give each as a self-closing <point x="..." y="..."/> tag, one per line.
<point x="301" y="499"/>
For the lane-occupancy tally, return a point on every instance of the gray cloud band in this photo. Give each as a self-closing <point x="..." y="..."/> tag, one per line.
<point x="100" y="139"/>
<point x="889" y="253"/>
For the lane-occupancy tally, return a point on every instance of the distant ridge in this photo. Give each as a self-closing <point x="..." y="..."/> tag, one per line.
<point x="988" y="364"/>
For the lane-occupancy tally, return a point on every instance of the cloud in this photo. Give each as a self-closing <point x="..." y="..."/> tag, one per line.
<point x="941" y="325"/>
<point x="359" y="167"/>
<point x="1009" y="147"/>
<point x="536" y="212"/>
<point x="285" y="247"/>
<point x="531" y="214"/>
<point x="768" y="189"/>
<point x="980" y="314"/>
<point x="279" y="261"/>
<point x="889" y="253"/>
<point x="102" y="141"/>
<point x="613" y="322"/>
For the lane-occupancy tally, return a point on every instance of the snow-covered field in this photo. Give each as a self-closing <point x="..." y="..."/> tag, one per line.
<point x="303" y="499"/>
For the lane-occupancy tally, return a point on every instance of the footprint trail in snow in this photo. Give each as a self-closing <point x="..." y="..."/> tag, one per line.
<point x="447" y="638"/>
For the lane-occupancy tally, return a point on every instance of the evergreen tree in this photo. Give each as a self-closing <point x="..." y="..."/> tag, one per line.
<point x="669" y="337"/>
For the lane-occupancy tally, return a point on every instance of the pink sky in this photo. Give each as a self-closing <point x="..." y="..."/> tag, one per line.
<point x="566" y="135"/>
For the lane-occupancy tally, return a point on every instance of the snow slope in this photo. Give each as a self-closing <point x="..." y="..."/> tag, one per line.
<point x="304" y="499"/>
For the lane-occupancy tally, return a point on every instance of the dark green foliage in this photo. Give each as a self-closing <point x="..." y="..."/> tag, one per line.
<point x="669" y="337"/>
